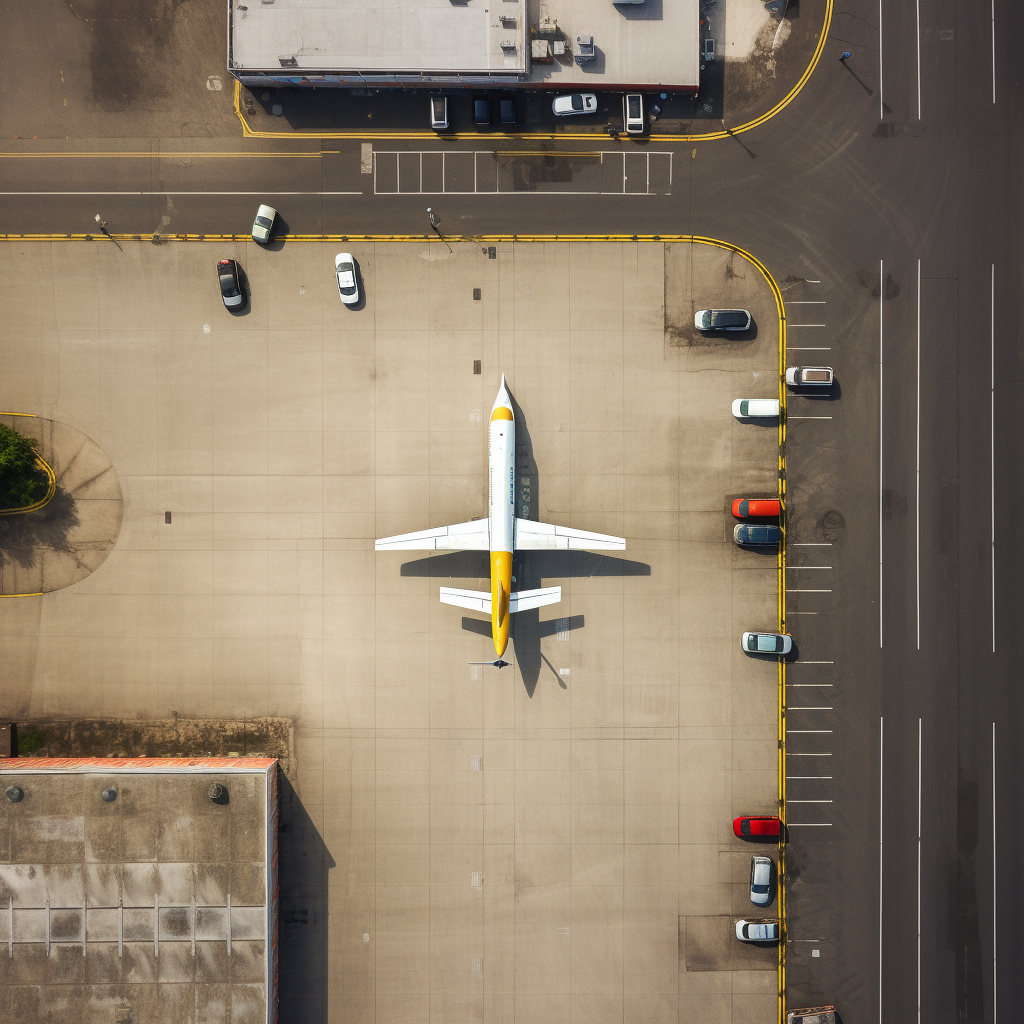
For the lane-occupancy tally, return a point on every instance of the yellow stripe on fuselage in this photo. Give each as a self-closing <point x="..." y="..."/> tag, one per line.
<point x="501" y="588"/>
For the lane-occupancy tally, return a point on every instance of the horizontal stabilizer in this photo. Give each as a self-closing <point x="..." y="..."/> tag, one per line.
<point x="471" y="536"/>
<point x="524" y="600"/>
<point x="474" y="600"/>
<point x="531" y="536"/>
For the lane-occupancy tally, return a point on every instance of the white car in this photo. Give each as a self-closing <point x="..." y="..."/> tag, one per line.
<point x="803" y="376"/>
<point x="760" y="930"/>
<point x="767" y="643"/>
<point x="760" y="881"/>
<point x="755" y="408"/>
<point x="348" y="284"/>
<point x="263" y="224"/>
<point x="574" y="103"/>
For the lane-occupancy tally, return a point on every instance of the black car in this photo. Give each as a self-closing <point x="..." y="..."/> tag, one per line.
<point x="481" y="110"/>
<point x="507" y="106"/>
<point x="756" y="535"/>
<point x="230" y="287"/>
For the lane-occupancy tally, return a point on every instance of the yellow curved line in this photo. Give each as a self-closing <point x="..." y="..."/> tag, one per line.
<point x="51" y="487"/>
<point x="249" y="133"/>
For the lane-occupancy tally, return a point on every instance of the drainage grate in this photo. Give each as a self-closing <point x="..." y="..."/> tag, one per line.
<point x="476" y="293"/>
<point x="475" y="762"/>
<point x="167" y="518"/>
<point x="476" y="366"/>
<point x="562" y="629"/>
<point x="476" y="880"/>
<point x="474" y="965"/>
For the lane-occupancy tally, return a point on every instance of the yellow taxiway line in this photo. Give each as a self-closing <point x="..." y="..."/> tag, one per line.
<point x="724" y="133"/>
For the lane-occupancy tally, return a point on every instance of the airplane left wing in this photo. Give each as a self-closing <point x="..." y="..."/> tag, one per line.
<point x="531" y="536"/>
<point x="471" y="536"/>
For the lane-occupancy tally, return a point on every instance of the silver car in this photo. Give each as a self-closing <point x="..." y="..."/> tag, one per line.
<point x="767" y="643"/>
<point x="758" y="930"/>
<point x="722" y="320"/>
<point x="760" y="881"/>
<point x="348" y="284"/>
<point x="574" y="103"/>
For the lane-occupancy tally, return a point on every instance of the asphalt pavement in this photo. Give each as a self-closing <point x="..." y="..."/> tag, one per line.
<point x="886" y="202"/>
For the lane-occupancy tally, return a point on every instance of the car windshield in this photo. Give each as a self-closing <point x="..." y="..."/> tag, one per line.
<point x="705" y="320"/>
<point x="744" y="406"/>
<point x="263" y="222"/>
<point x="577" y="102"/>
<point x="634" y="106"/>
<point x="729" y="318"/>
<point x="344" y="268"/>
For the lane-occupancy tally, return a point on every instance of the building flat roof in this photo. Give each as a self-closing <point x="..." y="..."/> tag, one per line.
<point x="154" y="904"/>
<point x="651" y="44"/>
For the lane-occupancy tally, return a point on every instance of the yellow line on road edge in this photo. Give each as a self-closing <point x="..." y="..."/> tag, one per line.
<point x="249" y="133"/>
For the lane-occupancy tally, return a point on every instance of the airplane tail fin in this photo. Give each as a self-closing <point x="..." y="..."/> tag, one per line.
<point x="527" y="599"/>
<point x="474" y="600"/>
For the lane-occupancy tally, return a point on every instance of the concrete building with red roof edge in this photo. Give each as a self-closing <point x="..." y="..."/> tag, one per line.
<point x="138" y="890"/>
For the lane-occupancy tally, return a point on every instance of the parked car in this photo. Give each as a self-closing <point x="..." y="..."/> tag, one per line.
<point x="633" y="113"/>
<point x="439" y="113"/>
<point x="760" y="881"/>
<point x="749" y="535"/>
<point x="348" y="283"/>
<point x="755" y="408"/>
<point x="507" y="110"/>
<point x="756" y="826"/>
<point x="812" y="1015"/>
<point x="574" y="103"/>
<point x="481" y="110"/>
<point x="263" y="224"/>
<point x="722" y="320"/>
<point x="758" y="930"/>
<point x="230" y="287"/>
<point x="751" y="508"/>
<point x="802" y="376"/>
<point x="767" y="643"/>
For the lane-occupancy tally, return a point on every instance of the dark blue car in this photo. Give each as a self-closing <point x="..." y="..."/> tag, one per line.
<point x="755" y="535"/>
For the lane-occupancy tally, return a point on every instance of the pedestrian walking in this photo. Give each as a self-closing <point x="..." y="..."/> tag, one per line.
<point x="846" y="55"/>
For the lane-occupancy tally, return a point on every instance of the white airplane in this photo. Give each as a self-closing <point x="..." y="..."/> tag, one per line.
<point x="501" y="533"/>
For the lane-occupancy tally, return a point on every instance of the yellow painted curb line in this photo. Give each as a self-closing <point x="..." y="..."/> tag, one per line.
<point x="249" y="133"/>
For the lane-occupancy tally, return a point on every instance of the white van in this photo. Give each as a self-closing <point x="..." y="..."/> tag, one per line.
<point x="633" y="113"/>
<point x="755" y="408"/>
<point x="803" y="376"/>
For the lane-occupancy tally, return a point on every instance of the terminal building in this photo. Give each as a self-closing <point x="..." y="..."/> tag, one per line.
<point x="548" y="44"/>
<point x="138" y="889"/>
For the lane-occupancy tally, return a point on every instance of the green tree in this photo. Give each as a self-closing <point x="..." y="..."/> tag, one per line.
<point x="22" y="482"/>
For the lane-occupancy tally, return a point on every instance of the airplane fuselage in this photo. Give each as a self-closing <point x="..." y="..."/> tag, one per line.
<point x="501" y="512"/>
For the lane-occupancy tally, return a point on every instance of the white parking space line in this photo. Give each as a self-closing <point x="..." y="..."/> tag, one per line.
<point x="810" y="709"/>
<point x="917" y="502"/>
<point x="919" y="871"/>
<point x="809" y="824"/>
<point x="813" y="544"/>
<point x="881" y="117"/>
<point x="881" y="393"/>
<point x="805" y="325"/>
<point x="138" y="193"/>
<point x="881" y="796"/>
<point x="808" y="801"/>
<point x="791" y="753"/>
<point x="808" y="417"/>
<point x="806" y="302"/>
<point x="801" y="613"/>
<point x="806" y="777"/>
<point x="919" y="118"/>
<point x="995" y="990"/>
<point x="790" y="590"/>
<point x="814" y="663"/>
<point x="808" y="730"/>
<point x="811" y="686"/>
<point x="992" y="444"/>
<point x="793" y="568"/>
<point x="993" y="51"/>
<point x="804" y="348"/>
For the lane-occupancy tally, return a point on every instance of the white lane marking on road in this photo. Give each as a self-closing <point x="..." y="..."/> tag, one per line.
<point x="881" y="301"/>
<point x="790" y="590"/>
<point x="881" y="797"/>
<point x="802" y="613"/>
<point x="811" y="686"/>
<point x="795" y="567"/>
<point x="919" y="103"/>
<point x="806" y="302"/>
<point x="809" y="824"/>
<point x="881" y="117"/>
<point x="995" y="990"/>
<point x="808" y="801"/>
<point x="138" y="193"/>
<point x="808" y="730"/>
<point x="992" y="443"/>
<point x="806" y="777"/>
<point x="811" y="709"/>
<point x="917" y="503"/>
<point x="798" y="348"/>
<point x="813" y="544"/>
<point x="814" y="663"/>
<point x="919" y="871"/>
<point x="806" y="325"/>
<point x="807" y="280"/>
<point x="791" y="753"/>
<point x="808" y="417"/>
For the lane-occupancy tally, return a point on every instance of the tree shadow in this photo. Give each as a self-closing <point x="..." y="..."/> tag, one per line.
<point x="303" y="865"/>
<point x="24" y="535"/>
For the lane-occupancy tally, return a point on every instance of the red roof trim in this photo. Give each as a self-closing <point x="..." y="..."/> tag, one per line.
<point x="23" y="764"/>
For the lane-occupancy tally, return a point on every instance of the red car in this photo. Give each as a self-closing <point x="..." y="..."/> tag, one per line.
<point x="748" y="508"/>
<point x="756" y="826"/>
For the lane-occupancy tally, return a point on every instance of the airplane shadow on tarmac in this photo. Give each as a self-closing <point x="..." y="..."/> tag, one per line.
<point x="530" y="569"/>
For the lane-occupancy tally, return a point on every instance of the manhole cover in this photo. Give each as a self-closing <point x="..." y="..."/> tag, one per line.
<point x="833" y="525"/>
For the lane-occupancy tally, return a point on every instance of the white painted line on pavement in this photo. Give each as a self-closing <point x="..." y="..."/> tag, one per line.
<point x="806" y="302"/>
<point x="995" y="990"/>
<point x="804" y="348"/>
<point x="802" y="613"/>
<point x="790" y="590"/>
<point x="813" y="544"/>
<point x="917" y="503"/>
<point x="809" y="686"/>
<point x="809" y="824"/>
<point x="815" y="663"/>
<point x="806" y="777"/>
<point x="808" y="730"/>
<point x="881" y="439"/>
<point x="795" y="567"/>
<point x="790" y="753"/>
<point x="806" y="325"/>
<point x="992" y="443"/>
<point x="881" y="796"/>
<point x="919" y="871"/>
<point x="139" y="193"/>
<point x="808" y="801"/>
<point x="808" y="417"/>
<point x="807" y="280"/>
<point x="881" y="116"/>
<point x="810" y="709"/>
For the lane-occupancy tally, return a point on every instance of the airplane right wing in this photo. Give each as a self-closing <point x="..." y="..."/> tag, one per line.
<point x="518" y="600"/>
<point x="474" y="600"/>
<point x="471" y="536"/>
<point x="531" y="536"/>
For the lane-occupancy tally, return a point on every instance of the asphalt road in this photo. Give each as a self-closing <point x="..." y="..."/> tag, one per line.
<point x="891" y="212"/>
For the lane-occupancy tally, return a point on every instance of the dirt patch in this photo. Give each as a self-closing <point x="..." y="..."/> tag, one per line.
<point x="174" y="737"/>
